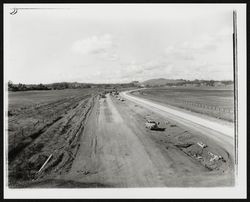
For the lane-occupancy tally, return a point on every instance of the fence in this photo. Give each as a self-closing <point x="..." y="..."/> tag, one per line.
<point x="210" y="107"/>
<point x="199" y="105"/>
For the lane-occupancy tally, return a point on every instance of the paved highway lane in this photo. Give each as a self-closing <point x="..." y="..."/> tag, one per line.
<point x="222" y="133"/>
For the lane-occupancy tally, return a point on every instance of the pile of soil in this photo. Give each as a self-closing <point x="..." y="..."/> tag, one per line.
<point x="211" y="157"/>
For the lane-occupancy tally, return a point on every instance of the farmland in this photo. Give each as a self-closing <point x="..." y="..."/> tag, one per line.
<point x="42" y="123"/>
<point x="217" y="103"/>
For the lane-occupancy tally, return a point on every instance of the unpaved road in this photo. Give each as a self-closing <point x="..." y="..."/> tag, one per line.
<point x="116" y="157"/>
<point x="118" y="151"/>
<point x="103" y="142"/>
<point x="221" y="132"/>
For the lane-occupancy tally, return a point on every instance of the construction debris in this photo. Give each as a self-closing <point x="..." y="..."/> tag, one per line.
<point x="214" y="157"/>
<point x="202" y="145"/>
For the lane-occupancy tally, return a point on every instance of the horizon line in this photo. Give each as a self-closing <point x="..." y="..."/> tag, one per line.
<point x="95" y="83"/>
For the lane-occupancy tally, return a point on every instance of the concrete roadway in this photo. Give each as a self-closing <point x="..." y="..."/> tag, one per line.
<point x="222" y="133"/>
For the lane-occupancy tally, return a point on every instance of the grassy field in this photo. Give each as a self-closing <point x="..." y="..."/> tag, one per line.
<point x="24" y="99"/>
<point x="213" y="102"/>
<point x="44" y="123"/>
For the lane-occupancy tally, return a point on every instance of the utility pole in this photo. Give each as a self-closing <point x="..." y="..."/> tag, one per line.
<point x="235" y="68"/>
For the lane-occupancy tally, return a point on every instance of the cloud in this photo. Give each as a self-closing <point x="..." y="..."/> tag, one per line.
<point x="102" y="46"/>
<point x="93" y="45"/>
<point x="205" y="44"/>
<point x="145" y="70"/>
<point x="179" y="52"/>
<point x="202" y="56"/>
<point x="156" y="64"/>
<point x="192" y="49"/>
<point x="188" y="60"/>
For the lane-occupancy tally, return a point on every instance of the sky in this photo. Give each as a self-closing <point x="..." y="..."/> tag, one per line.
<point x="118" y="43"/>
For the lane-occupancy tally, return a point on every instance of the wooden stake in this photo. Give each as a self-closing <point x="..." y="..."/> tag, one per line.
<point x="45" y="163"/>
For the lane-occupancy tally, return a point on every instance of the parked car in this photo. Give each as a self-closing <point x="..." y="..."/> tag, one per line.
<point x="151" y="124"/>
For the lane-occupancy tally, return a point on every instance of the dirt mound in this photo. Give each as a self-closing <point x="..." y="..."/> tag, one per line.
<point x="213" y="158"/>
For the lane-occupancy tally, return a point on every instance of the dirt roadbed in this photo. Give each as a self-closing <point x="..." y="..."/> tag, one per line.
<point x="117" y="150"/>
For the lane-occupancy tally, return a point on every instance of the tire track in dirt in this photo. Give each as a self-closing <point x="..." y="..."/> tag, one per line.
<point x="120" y="159"/>
<point x="61" y="139"/>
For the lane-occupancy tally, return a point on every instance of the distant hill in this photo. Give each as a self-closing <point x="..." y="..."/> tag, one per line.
<point x="162" y="81"/>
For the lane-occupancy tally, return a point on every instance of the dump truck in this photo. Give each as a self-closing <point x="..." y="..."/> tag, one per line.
<point x="151" y="124"/>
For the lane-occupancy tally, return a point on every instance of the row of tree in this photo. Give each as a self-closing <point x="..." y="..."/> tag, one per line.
<point x="23" y="87"/>
<point x="74" y="85"/>
<point x="196" y="82"/>
<point x="63" y="85"/>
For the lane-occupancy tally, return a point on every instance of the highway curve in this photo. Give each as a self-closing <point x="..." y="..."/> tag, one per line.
<point x="118" y="151"/>
<point x="222" y="133"/>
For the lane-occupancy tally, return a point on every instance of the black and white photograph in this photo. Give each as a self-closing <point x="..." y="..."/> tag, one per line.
<point x="124" y="100"/>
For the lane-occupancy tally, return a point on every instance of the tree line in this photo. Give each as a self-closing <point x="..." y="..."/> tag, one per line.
<point x="195" y="82"/>
<point x="23" y="87"/>
<point x="62" y="85"/>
